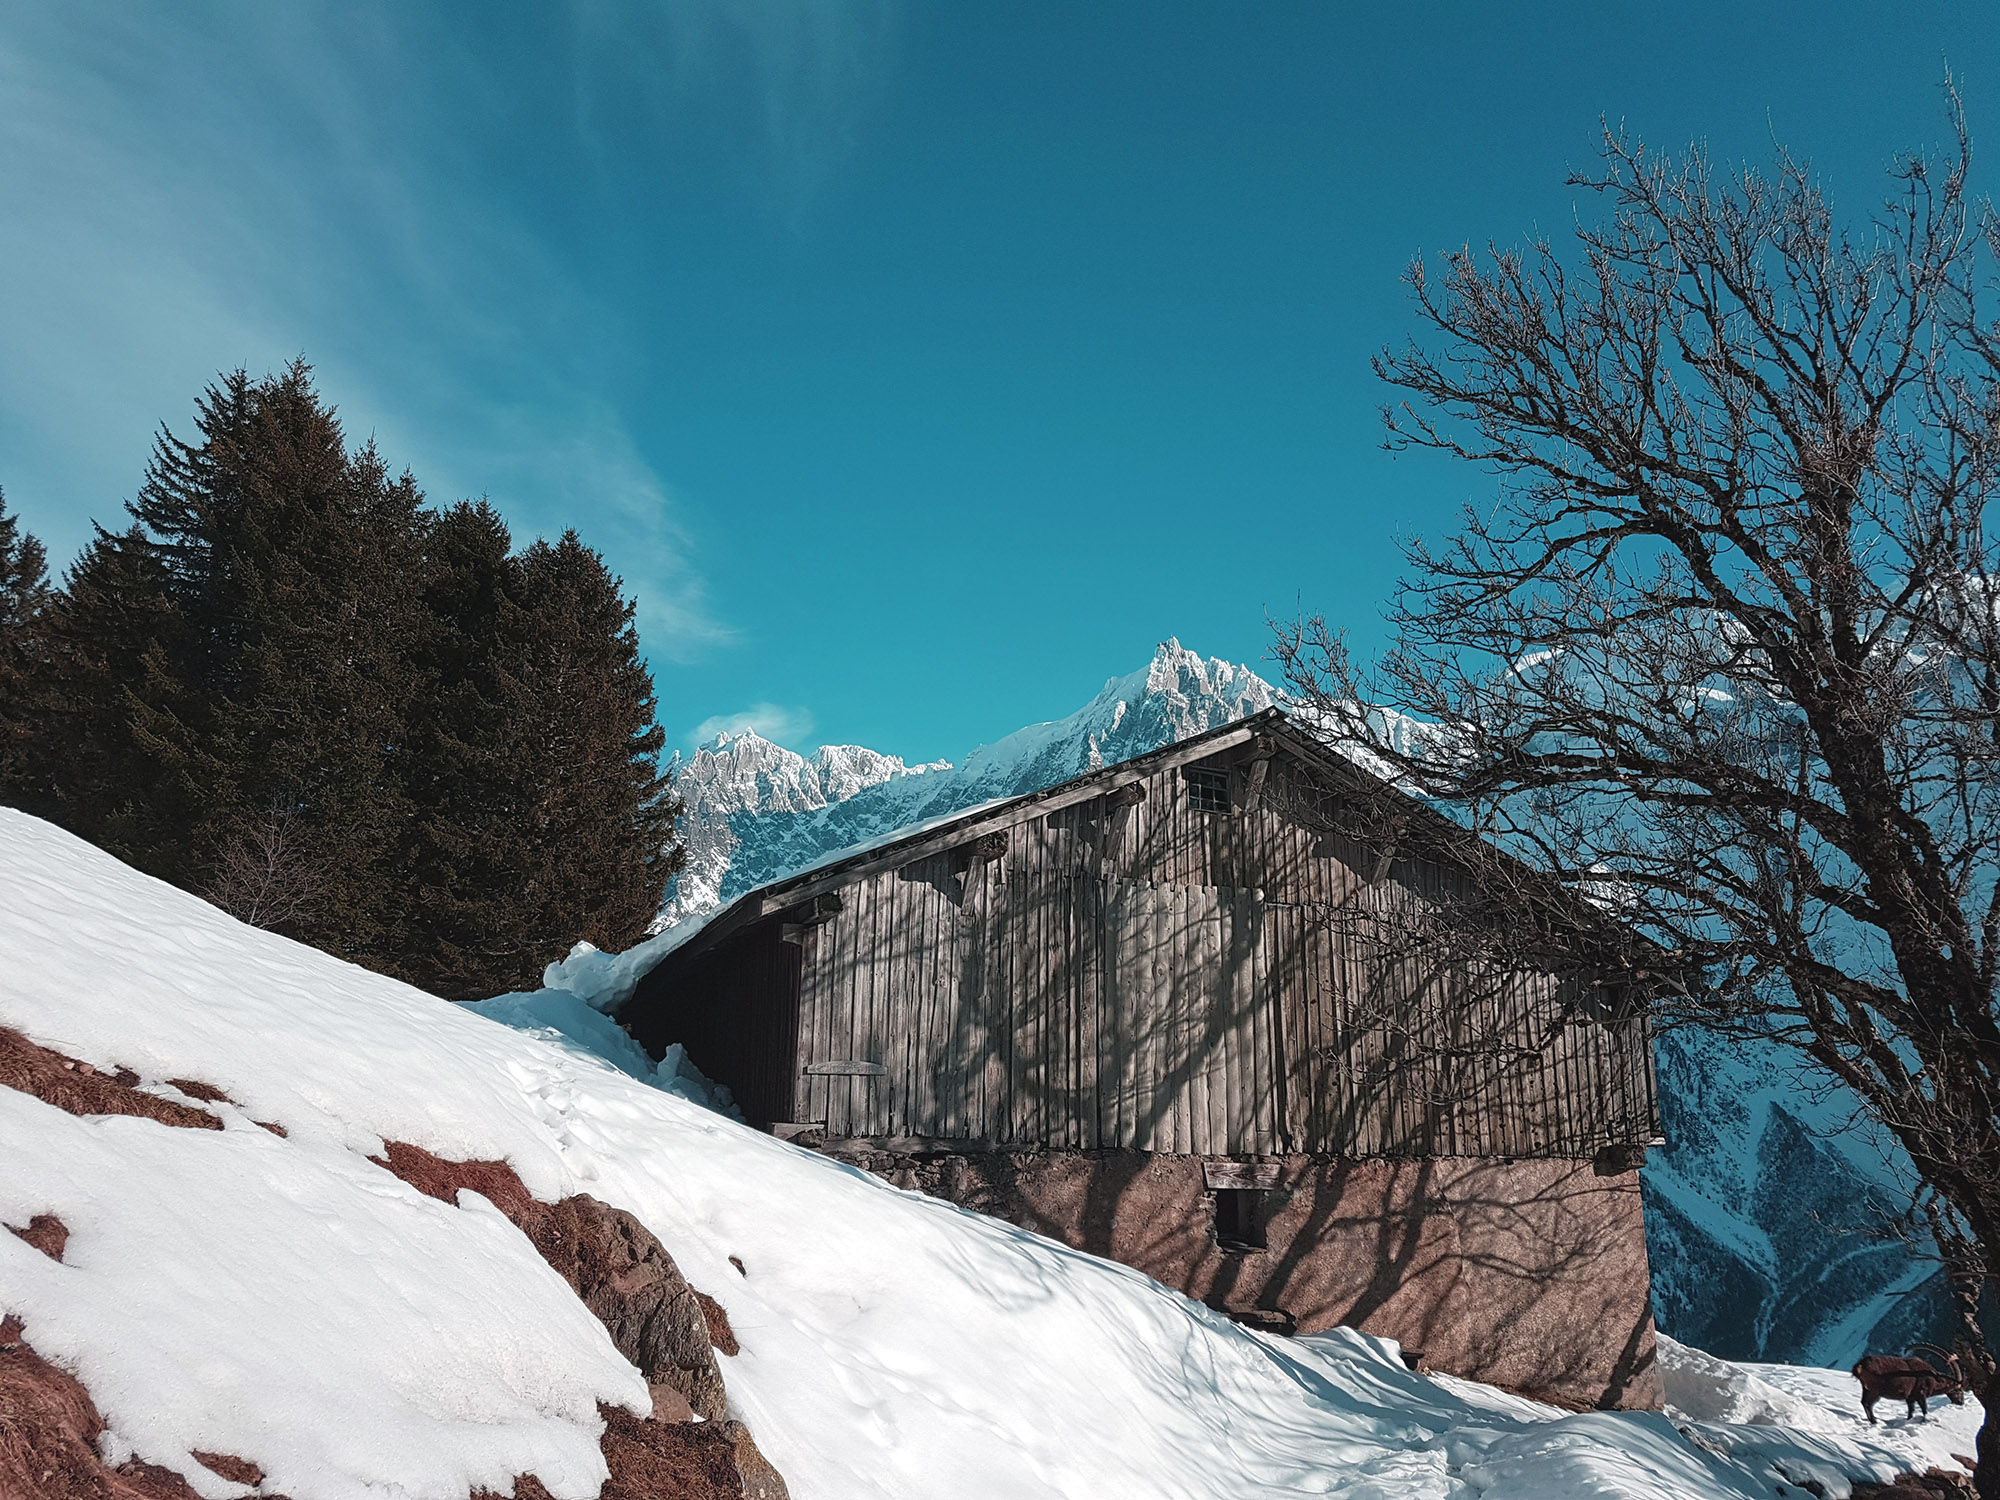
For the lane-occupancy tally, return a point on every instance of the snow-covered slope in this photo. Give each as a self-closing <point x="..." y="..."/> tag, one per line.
<point x="1763" y="1207"/>
<point x="279" y="1298"/>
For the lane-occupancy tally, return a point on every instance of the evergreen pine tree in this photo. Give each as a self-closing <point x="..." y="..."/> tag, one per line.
<point x="24" y="601"/>
<point x="600" y="815"/>
<point x="465" y="835"/>
<point x="290" y="688"/>
<point x="241" y="655"/>
<point x="544" y="817"/>
<point x="112" y="638"/>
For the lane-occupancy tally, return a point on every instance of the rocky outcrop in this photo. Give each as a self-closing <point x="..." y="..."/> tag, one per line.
<point x="1932" y="1484"/>
<point x="667" y="1329"/>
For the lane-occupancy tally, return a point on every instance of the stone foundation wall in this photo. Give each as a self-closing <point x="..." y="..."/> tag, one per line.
<point x="1528" y="1274"/>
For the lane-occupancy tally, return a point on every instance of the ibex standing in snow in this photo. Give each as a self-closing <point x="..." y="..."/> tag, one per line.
<point x="1909" y="1379"/>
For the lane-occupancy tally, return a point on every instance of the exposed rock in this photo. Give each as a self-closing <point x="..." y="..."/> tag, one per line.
<point x="1932" y="1484"/>
<point x="80" y="1089"/>
<point x="49" y="1428"/>
<point x="652" y="1460"/>
<point x="683" y="1461"/>
<point x="625" y="1276"/>
<point x="50" y="1235"/>
<point x="720" y="1334"/>
<point x="760" y="1480"/>
<point x="669" y="1405"/>
<point x="622" y="1273"/>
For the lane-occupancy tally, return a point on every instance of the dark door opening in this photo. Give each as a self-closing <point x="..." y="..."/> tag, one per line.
<point x="1239" y="1218"/>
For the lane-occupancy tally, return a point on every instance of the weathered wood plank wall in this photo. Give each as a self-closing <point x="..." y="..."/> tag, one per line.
<point x="1161" y="978"/>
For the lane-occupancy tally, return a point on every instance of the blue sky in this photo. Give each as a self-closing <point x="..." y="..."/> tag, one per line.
<point x="918" y="366"/>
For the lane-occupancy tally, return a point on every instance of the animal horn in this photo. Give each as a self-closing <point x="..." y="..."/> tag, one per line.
<point x="1942" y="1354"/>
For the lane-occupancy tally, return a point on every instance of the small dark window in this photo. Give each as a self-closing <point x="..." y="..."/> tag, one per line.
<point x="1208" y="791"/>
<point x="1239" y="1218"/>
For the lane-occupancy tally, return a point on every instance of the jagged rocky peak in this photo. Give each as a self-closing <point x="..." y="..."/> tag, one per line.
<point x="747" y="773"/>
<point x="1177" y="694"/>
<point x="844" y="770"/>
<point x="755" y="810"/>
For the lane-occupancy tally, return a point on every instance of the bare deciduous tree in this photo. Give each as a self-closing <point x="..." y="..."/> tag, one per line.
<point x="1725" y="656"/>
<point x="268" y="874"/>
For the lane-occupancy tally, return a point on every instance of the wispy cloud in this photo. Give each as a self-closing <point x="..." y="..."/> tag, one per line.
<point x="782" y="726"/>
<point x="783" y="84"/>
<point x="190" y="191"/>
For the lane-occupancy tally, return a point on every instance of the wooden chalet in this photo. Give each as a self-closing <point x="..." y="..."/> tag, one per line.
<point x="1226" y="1012"/>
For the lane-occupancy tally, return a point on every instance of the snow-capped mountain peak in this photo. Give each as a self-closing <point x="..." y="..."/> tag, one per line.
<point x="756" y="810"/>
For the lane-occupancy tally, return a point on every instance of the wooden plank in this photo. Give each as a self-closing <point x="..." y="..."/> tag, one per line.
<point x="1181" y="1055"/>
<point x="1226" y="952"/>
<point x="1152" y="1019"/>
<point x="847" y="1067"/>
<point x="1216" y="1034"/>
<point x="1240" y="1174"/>
<point x="1248" y="931"/>
<point x="1122" y="957"/>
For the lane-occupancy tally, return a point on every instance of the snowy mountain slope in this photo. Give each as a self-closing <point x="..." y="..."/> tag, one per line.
<point x="1763" y="1208"/>
<point x="279" y="1298"/>
<point x="757" y="811"/>
<point x="1767" y="1215"/>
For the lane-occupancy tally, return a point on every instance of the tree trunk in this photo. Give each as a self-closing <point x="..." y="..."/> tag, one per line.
<point x="1986" y="1477"/>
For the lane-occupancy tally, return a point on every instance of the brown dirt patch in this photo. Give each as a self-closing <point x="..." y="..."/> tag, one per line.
<point x="683" y="1461"/>
<point x="80" y="1089"/>
<point x="49" y="1428"/>
<point x="720" y="1334"/>
<point x="230" y="1467"/>
<point x="46" y="1233"/>
<point x="651" y="1460"/>
<point x="437" y="1178"/>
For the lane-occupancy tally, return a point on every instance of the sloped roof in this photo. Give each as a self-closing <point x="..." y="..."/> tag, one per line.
<point x="904" y="845"/>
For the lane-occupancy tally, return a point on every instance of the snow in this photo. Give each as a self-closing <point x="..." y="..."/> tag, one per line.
<point x="562" y="1018"/>
<point x="231" y="1292"/>
<point x="284" y="1300"/>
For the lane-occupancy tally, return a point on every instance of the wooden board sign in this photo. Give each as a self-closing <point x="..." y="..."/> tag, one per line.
<point x="845" y="1068"/>
<point x="1239" y="1174"/>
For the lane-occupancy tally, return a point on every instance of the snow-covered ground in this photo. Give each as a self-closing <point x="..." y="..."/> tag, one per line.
<point x="281" y="1299"/>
